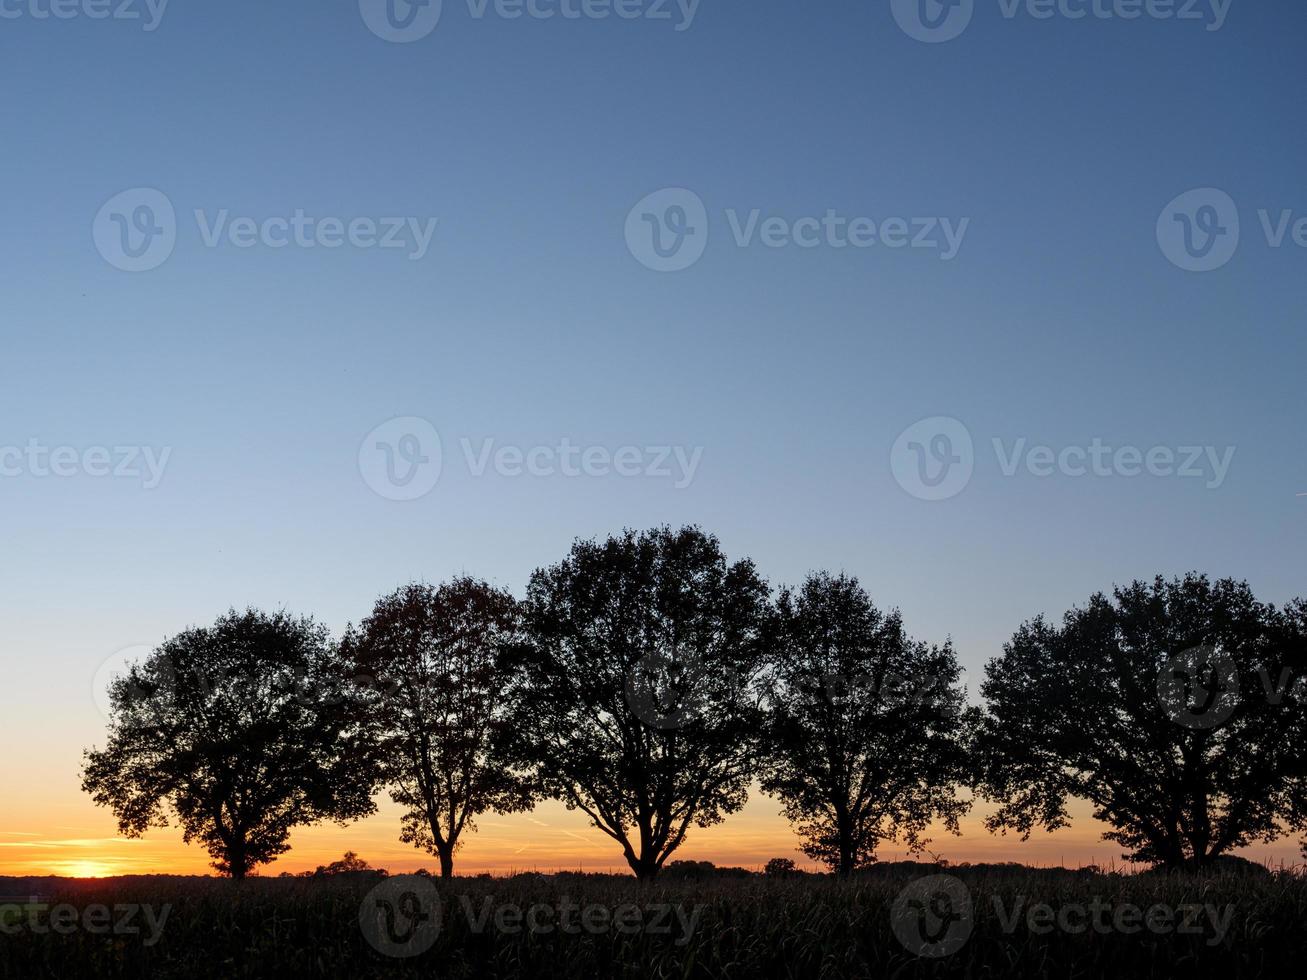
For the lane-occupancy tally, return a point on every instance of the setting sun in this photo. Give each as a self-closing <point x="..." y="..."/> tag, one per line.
<point x="87" y="869"/>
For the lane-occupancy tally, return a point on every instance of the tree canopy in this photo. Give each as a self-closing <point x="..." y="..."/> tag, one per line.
<point x="1175" y="708"/>
<point x="440" y="719"/>
<point x="240" y="732"/>
<point x="866" y="734"/>
<point x="647" y="681"/>
<point x="638" y="688"/>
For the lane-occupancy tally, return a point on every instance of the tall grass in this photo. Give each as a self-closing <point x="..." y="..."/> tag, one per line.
<point x="806" y="927"/>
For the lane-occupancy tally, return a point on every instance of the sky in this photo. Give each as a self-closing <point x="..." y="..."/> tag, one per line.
<point x="993" y="308"/>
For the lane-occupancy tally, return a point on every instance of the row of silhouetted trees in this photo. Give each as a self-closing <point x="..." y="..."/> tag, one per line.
<point x="648" y="682"/>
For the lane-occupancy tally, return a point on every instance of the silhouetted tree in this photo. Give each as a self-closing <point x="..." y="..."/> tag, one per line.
<point x="638" y="696"/>
<point x="350" y="864"/>
<point x="866" y="734"/>
<point x="240" y="732"/>
<point x="1175" y="708"/>
<point x="781" y="868"/>
<point x="440" y="714"/>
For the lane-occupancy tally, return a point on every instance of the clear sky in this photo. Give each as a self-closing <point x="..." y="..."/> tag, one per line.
<point x="1063" y="311"/>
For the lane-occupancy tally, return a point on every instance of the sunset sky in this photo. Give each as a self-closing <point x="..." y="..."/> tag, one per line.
<point x="256" y="378"/>
<point x="49" y="827"/>
<point x="546" y="840"/>
<point x="73" y="839"/>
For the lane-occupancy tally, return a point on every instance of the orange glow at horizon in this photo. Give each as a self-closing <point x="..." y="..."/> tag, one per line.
<point x="89" y="869"/>
<point x="548" y="839"/>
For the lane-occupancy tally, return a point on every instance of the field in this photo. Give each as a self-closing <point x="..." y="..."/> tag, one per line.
<point x="895" y="922"/>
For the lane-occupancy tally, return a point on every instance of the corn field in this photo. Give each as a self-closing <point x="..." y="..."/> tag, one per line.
<point x="996" y="922"/>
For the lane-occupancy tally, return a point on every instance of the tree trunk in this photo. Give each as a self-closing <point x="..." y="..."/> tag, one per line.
<point x="238" y="862"/>
<point x="645" y="865"/>
<point x="845" y="835"/>
<point x="647" y="872"/>
<point x="1172" y="856"/>
<point x="444" y="838"/>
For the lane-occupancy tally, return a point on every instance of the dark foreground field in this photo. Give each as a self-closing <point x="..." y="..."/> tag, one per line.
<point x="920" y="922"/>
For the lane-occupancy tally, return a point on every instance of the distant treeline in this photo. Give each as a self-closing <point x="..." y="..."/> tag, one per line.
<point x="648" y="682"/>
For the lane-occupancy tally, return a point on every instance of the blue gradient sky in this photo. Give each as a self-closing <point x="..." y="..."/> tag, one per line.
<point x="529" y="321"/>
